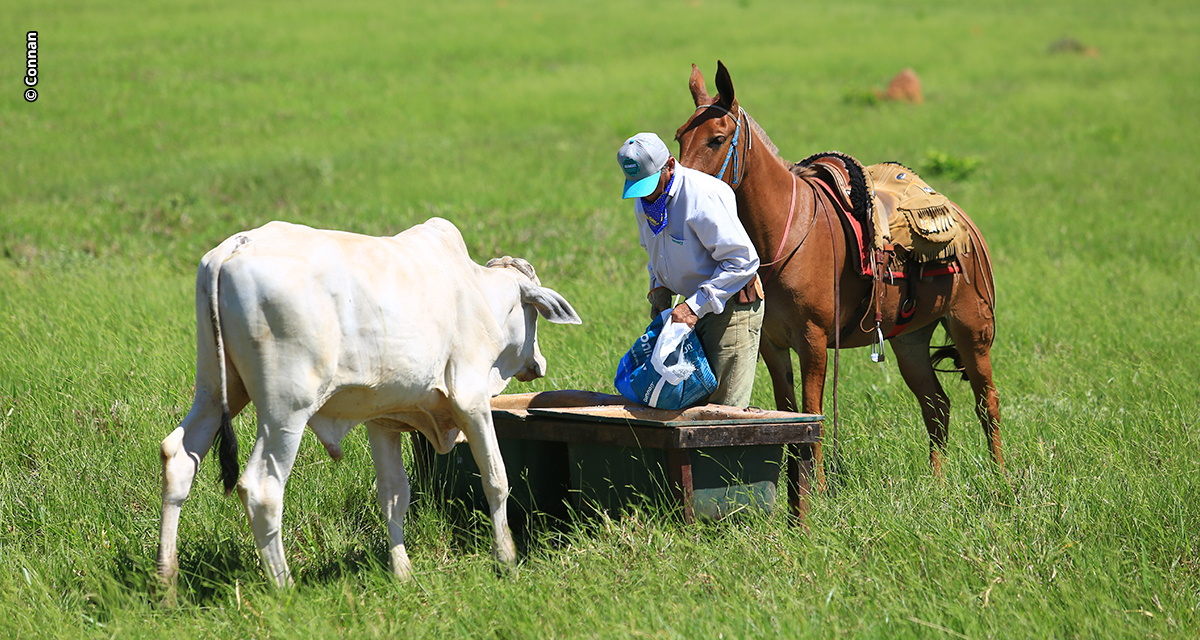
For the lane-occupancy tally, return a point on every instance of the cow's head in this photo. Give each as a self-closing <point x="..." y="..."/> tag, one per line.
<point x="521" y="357"/>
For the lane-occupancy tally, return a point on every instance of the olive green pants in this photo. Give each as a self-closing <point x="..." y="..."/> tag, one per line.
<point x="730" y="341"/>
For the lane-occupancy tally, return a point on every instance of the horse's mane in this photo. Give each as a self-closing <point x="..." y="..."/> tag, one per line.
<point x="802" y="172"/>
<point x="764" y="137"/>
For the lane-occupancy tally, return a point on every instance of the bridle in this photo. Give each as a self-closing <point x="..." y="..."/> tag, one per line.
<point x="737" y="157"/>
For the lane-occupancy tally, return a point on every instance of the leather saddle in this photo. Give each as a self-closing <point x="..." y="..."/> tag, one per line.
<point x="888" y="210"/>
<point x="848" y="182"/>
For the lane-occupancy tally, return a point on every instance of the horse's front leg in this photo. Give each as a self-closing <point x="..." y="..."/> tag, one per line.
<point x="800" y="456"/>
<point x="813" y="357"/>
<point x="779" y="364"/>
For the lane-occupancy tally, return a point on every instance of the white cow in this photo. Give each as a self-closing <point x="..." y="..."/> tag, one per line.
<point x="333" y="329"/>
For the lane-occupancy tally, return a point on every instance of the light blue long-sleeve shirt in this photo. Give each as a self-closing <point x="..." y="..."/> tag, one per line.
<point x="703" y="253"/>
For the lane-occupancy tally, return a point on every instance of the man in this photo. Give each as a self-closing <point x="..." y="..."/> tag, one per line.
<point x="688" y="225"/>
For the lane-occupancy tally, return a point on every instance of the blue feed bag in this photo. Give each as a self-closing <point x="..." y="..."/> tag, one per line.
<point x="638" y="381"/>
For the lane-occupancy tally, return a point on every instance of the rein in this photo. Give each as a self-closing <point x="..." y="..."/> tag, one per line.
<point x="837" y="296"/>
<point x="732" y="154"/>
<point x="786" y="229"/>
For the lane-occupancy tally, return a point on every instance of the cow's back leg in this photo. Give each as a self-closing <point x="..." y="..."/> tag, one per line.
<point x="392" y="491"/>
<point x="913" y="360"/>
<point x="262" y="483"/>
<point x="181" y="453"/>
<point x="476" y="420"/>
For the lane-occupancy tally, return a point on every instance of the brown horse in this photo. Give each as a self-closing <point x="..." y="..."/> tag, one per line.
<point x="813" y="287"/>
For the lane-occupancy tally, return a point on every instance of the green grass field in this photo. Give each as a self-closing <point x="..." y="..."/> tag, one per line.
<point x="159" y="132"/>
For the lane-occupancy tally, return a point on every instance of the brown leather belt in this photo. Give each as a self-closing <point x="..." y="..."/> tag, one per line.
<point x="752" y="292"/>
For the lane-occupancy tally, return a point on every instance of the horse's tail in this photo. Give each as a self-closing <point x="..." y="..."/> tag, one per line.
<point x="984" y="284"/>
<point x="948" y="351"/>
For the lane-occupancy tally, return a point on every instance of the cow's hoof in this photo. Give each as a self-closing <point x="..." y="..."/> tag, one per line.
<point x="505" y="551"/>
<point x="165" y="592"/>
<point x="505" y="570"/>
<point x="505" y="554"/>
<point x="401" y="566"/>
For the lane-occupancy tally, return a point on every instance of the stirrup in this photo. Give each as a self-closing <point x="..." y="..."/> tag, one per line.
<point x="877" y="350"/>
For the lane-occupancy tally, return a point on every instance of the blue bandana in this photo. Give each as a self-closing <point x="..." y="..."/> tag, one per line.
<point x="656" y="212"/>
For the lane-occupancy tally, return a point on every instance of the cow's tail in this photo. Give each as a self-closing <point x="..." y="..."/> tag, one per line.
<point x="226" y="440"/>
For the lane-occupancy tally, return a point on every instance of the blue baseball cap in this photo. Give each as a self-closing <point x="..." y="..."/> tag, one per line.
<point x="642" y="159"/>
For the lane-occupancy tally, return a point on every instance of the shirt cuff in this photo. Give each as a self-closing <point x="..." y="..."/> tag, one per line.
<point x="701" y="304"/>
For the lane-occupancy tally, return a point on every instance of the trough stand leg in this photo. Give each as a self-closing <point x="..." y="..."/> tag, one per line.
<point x="679" y="463"/>
<point x="799" y="480"/>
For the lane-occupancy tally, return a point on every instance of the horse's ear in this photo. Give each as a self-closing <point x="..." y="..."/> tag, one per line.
<point x="696" y="84"/>
<point x="724" y="86"/>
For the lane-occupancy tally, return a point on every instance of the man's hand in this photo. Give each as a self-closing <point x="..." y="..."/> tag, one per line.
<point x="683" y="313"/>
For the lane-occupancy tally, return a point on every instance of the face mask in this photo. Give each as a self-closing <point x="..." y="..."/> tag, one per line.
<point x="656" y="212"/>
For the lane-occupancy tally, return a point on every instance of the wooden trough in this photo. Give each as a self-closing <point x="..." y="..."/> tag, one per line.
<point x="588" y="451"/>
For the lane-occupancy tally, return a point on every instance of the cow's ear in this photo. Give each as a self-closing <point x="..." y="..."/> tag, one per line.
<point x="549" y="303"/>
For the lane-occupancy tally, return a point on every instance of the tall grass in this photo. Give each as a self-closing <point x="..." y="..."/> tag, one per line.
<point x="161" y="131"/>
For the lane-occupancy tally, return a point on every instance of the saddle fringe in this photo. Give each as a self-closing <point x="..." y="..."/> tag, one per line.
<point x="926" y="223"/>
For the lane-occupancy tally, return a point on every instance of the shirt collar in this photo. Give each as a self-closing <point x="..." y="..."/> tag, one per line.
<point x="673" y="187"/>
